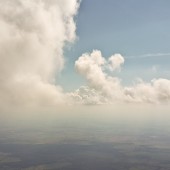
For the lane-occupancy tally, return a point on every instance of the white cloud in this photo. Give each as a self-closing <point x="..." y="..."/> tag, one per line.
<point x="33" y="34"/>
<point x="157" y="91"/>
<point x="88" y="96"/>
<point x="115" y="62"/>
<point x="106" y="89"/>
<point x="92" y="67"/>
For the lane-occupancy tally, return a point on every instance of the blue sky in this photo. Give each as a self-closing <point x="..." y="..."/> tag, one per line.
<point x="131" y="28"/>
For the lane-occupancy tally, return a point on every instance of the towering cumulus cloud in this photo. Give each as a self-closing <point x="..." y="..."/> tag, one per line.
<point x="103" y="88"/>
<point x="33" y="34"/>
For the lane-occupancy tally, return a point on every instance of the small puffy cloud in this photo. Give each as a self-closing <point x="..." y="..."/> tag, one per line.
<point x="115" y="62"/>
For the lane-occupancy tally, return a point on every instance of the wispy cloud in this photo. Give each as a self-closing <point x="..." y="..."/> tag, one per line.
<point x="148" y="55"/>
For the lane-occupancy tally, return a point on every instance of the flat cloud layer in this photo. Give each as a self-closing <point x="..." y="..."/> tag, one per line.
<point x="33" y="34"/>
<point x="106" y="89"/>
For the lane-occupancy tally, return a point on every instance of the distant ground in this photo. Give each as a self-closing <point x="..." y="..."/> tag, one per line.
<point x="92" y="147"/>
<point x="83" y="157"/>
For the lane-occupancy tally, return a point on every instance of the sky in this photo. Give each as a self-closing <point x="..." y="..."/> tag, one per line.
<point x="132" y="28"/>
<point x="61" y="52"/>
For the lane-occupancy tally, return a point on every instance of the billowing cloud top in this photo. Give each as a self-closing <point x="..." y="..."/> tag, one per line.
<point x="116" y="61"/>
<point x="33" y="34"/>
